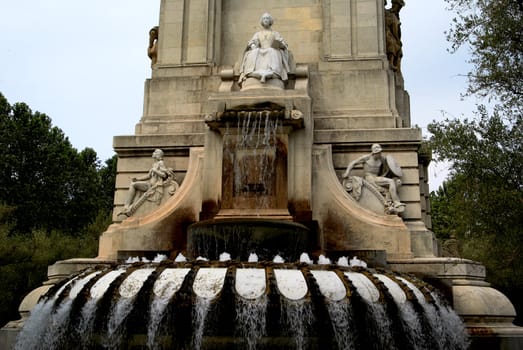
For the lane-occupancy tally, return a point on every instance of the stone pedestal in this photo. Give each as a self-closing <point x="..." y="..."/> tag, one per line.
<point x="488" y="314"/>
<point x="348" y="97"/>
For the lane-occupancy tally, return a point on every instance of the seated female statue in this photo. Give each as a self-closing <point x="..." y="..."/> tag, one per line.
<point x="266" y="56"/>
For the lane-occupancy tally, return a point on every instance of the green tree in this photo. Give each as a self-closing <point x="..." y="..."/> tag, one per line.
<point x="48" y="182"/>
<point x="481" y="203"/>
<point x="485" y="190"/>
<point x="107" y="183"/>
<point x="54" y="203"/>
<point x="493" y="30"/>
<point x="24" y="258"/>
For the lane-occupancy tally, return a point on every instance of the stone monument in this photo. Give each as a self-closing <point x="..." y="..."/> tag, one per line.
<point x="260" y="136"/>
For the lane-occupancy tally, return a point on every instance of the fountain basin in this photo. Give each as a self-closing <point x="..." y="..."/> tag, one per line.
<point x="242" y="236"/>
<point x="208" y="305"/>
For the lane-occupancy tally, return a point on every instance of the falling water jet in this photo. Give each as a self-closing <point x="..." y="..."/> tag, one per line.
<point x="296" y="311"/>
<point x="298" y="318"/>
<point x="251" y="320"/>
<point x="200" y="311"/>
<point x="455" y="335"/>
<point x="194" y="304"/>
<point x="304" y="258"/>
<point x="338" y="307"/>
<point x="128" y="290"/>
<point x="408" y="317"/>
<point x="431" y="323"/>
<point x="342" y="319"/>
<point x="49" y="320"/>
<point x="60" y="329"/>
<point x="376" y="323"/>
<point x="167" y="284"/>
<point x="207" y="285"/>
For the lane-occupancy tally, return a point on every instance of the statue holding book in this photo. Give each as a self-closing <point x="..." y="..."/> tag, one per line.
<point x="266" y="55"/>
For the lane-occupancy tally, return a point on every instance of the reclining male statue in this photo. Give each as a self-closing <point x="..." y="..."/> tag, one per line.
<point x="382" y="173"/>
<point x="150" y="187"/>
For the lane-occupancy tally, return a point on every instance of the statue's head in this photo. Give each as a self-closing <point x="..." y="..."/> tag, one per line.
<point x="153" y="32"/>
<point x="158" y="153"/>
<point x="375" y="149"/>
<point x="399" y="3"/>
<point x="266" y="20"/>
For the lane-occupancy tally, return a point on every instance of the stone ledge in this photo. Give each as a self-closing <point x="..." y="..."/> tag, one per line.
<point x="447" y="268"/>
<point x="482" y="302"/>
<point x="368" y="136"/>
<point x="64" y="268"/>
<point x="165" y="141"/>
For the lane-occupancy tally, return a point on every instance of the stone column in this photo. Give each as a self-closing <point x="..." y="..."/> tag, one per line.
<point x="353" y="29"/>
<point x="189" y="32"/>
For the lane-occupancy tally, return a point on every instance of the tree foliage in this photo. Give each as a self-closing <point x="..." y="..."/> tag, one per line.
<point x="24" y="258"/>
<point x="493" y="29"/>
<point x="481" y="203"/>
<point x="485" y="191"/>
<point x="54" y="201"/>
<point x="49" y="183"/>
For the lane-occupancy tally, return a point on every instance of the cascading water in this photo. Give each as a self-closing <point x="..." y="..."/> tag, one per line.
<point x="251" y="320"/>
<point x="251" y="304"/>
<point x="250" y="297"/>
<point x="255" y="144"/>
<point x="169" y="282"/>
<point x="242" y="237"/>
<point x="200" y="311"/>
<point x="254" y="215"/>
<point x="241" y="305"/>
<point x="251" y="151"/>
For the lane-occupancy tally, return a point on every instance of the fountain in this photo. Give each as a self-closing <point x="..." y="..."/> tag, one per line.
<point x="241" y="305"/>
<point x="249" y="234"/>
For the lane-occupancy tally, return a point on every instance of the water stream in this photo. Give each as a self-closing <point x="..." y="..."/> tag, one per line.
<point x="251" y="150"/>
<point x="231" y="305"/>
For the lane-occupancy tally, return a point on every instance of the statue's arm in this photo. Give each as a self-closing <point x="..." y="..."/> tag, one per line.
<point x="279" y="38"/>
<point x="353" y="164"/>
<point x="253" y="43"/>
<point x="160" y="170"/>
<point x="142" y="178"/>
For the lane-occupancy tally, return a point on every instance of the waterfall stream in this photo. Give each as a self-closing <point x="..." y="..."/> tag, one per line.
<point x="232" y="305"/>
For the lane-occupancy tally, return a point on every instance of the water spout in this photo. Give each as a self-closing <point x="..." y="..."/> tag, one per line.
<point x="193" y="304"/>
<point x="304" y="258"/>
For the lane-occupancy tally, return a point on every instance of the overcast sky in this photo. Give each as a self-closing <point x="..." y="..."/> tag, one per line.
<point x="84" y="63"/>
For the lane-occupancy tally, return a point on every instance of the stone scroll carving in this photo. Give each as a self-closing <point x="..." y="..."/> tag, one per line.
<point x="381" y="179"/>
<point x="151" y="187"/>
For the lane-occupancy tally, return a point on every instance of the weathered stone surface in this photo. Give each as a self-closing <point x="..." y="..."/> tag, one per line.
<point x="444" y="268"/>
<point x="162" y="229"/>
<point x="344" y="224"/>
<point x="349" y="96"/>
<point x="473" y="300"/>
